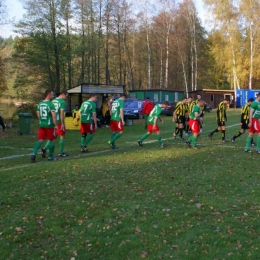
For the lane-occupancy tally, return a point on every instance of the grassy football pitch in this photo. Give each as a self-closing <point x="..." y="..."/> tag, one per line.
<point x="132" y="203"/>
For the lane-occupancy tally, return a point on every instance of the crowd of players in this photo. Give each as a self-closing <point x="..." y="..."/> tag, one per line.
<point x="188" y="117"/>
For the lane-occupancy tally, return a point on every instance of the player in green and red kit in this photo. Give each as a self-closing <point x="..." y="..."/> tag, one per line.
<point x="194" y="124"/>
<point x="60" y="106"/>
<point x="254" y="125"/>
<point x="47" y="125"/>
<point x="152" y="123"/>
<point x="117" y="120"/>
<point x="88" y="121"/>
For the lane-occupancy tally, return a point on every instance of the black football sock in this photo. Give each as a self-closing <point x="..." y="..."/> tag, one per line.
<point x="237" y="135"/>
<point x="181" y="132"/>
<point x="223" y="135"/>
<point x="214" y="132"/>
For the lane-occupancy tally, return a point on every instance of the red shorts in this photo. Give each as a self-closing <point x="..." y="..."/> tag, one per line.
<point x="151" y="129"/>
<point x="116" y="126"/>
<point x="60" y="131"/>
<point x="255" y="127"/>
<point x="86" y="128"/>
<point x="194" y="126"/>
<point x="46" y="133"/>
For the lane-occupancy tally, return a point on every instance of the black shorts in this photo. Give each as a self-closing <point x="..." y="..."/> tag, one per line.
<point x="244" y="125"/>
<point x="221" y="123"/>
<point x="181" y="120"/>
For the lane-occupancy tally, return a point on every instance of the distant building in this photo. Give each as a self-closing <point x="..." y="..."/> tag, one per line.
<point x="157" y="95"/>
<point x="214" y="96"/>
<point x="79" y="94"/>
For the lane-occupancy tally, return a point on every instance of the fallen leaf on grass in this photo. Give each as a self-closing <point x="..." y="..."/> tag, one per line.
<point x="175" y="247"/>
<point x="18" y="230"/>
<point x="80" y="222"/>
<point x="137" y="230"/>
<point x="238" y="245"/>
<point x="198" y="205"/>
<point x="144" y="254"/>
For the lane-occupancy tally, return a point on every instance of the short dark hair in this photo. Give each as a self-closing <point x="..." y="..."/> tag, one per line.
<point x="93" y="95"/>
<point x="184" y="98"/>
<point x="64" y="91"/>
<point x="47" y="92"/>
<point x="258" y="94"/>
<point x="147" y="98"/>
<point x="165" y="103"/>
<point x="123" y="95"/>
<point x="250" y="100"/>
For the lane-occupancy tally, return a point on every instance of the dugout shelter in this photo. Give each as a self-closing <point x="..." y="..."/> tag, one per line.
<point x="80" y="93"/>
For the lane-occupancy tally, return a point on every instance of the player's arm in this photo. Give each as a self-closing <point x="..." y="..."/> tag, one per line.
<point x="38" y="114"/>
<point x="54" y="117"/>
<point x="174" y="116"/>
<point x="94" y="117"/>
<point x="224" y="113"/>
<point x="161" y="120"/>
<point x="155" y="121"/>
<point x="251" y="116"/>
<point x="144" y="107"/>
<point x="197" y="115"/>
<point x="122" y="116"/>
<point x="62" y="117"/>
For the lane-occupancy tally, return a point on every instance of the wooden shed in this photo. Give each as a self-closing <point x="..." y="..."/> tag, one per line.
<point x="214" y="96"/>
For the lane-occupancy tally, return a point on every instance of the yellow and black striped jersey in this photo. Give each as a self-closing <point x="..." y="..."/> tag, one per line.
<point x="245" y="113"/>
<point x="180" y="109"/>
<point x="192" y="104"/>
<point x="187" y="111"/>
<point x="221" y="112"/>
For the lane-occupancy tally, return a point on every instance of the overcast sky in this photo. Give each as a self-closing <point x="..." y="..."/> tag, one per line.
<point x="15" y="12"/>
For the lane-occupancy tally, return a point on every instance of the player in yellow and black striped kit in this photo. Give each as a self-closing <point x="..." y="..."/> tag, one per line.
<point x="221" y="119"/>
<point x="244" y="120"/>
<point x="179" y="117"/>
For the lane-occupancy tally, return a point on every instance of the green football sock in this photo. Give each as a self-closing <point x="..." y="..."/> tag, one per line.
<point x="61" y="146"/>
<point x="51" y="149"/>
<point x="36" y="147"/>
<point x="112" y="137"/>
<point x="83" y="140"/>
<point x="248" y="142"/>
<point x="258" y="143"/>
<point x="194" y="141"/>
<point x="190" y="139"/>
<point x="159" y="138"/>
<point x="144" y="137"/>
<point x="88" y="139"/>
<point x="46" y="146"/>
<point x="117" y="135"/>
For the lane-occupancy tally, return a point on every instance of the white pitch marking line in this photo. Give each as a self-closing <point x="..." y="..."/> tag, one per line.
<point x="11" y="147"/>
<point x="99" y="152"/>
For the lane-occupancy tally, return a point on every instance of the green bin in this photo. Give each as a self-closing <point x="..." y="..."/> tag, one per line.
<point x="24" y="123"/>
